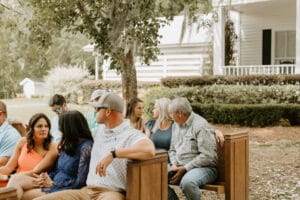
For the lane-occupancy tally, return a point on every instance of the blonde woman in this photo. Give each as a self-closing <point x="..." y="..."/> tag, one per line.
<point x="161" y="125"/>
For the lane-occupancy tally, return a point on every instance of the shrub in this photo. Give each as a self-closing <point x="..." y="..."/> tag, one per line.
<point x="243" y="105"/>
<point x="249" y="115"/>
<point x="191" y="81"/>
<point x="228" y="94"/>
<point x="65" y="80"/>
<point x="88" y="86"/>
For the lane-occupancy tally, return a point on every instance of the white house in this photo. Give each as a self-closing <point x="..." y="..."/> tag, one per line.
<point x="191" y="57"/>
<point x="28" y="87"/>
<point x="268" y="43"/>
<point x="268" y="37"/>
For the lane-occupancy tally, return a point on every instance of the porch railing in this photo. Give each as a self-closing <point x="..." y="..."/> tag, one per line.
<point x="167" y="65"/>
<point x="258" y="69"/>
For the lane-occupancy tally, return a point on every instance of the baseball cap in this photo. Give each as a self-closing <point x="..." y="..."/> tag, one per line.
<point x="109" y="100"/>
<point x="97" y="93"/>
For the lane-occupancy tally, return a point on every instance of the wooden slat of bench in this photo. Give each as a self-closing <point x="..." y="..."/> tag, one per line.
<point x="219" y="188"/>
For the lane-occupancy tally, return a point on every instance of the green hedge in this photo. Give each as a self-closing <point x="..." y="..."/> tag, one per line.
<point x="231" y="80"/>
<point x="263" y="105"/>
<point x="229" y="94"/>
<point x="249" y="115"/>
<point x="88" y="86"/>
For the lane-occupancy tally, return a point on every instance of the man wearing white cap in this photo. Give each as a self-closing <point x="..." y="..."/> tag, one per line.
<point x="91" y="116"/>
<point x="114" y="144"/>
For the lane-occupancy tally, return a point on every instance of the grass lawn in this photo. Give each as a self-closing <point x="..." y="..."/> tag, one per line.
<point x="23" y="109"/>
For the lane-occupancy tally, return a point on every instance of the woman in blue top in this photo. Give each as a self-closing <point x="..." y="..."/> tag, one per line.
<point x="161" y="126"/>
<point x="72" y="165"/>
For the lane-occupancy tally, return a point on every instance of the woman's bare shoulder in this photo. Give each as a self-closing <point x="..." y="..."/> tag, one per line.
<point x="53" y="147"/>
<point x="22" y="141"/>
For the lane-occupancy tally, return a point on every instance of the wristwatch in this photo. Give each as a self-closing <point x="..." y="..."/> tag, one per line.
<point x="113" y="153"/>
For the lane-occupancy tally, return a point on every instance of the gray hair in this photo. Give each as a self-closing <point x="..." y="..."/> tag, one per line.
<point x="162" y="105"/>
<point x="180" y="104"/>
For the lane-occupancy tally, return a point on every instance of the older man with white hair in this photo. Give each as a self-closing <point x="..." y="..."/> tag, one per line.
<point x="193" y="150"/>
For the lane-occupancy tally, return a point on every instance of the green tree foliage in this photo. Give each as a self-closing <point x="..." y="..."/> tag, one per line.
<point x="121" y="30"/>
<point x="22" y="54"/>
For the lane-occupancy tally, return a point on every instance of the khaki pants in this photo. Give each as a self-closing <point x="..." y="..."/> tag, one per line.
<point x="85" y="193"/>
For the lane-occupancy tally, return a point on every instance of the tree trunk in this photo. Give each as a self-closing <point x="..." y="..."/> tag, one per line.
<point x="129" y="80"/>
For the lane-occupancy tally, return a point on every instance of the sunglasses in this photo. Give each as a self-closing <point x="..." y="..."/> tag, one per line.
<point x="57" y="110"/>
<point x="99" y="108"/>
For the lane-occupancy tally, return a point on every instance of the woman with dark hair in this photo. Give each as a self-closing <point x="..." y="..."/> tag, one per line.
<point x="134" y="112"/>
<point x="72" y="165"/>
<point x="34" y="153"/>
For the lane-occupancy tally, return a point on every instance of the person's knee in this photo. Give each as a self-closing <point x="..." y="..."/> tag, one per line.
<point x="188" y="186"/>
<point x="111" y="195"/>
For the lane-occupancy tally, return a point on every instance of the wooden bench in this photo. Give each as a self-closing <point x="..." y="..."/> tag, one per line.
<point x="20" y="128"/>
<point x="147" y="179"/>
<point x="233" y="168"/>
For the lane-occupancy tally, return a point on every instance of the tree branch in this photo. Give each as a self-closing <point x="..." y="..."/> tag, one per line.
<point x="8" y="8"/>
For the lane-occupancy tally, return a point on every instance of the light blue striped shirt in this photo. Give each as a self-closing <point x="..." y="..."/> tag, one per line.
<point x="9" y="138"/>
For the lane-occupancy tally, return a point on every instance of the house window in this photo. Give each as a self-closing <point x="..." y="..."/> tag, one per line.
<point x="285" y="47"/>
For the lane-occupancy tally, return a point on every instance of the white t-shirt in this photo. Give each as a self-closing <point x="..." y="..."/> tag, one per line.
<point x="105" y="141"/>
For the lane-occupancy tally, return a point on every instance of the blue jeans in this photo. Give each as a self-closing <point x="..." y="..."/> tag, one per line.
<point x="193" y="179"/>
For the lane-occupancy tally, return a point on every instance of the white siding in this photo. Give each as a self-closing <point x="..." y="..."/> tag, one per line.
<point x="254" y="21"/>
<point x="235" y="2"/>
<point x="176" y="60"/>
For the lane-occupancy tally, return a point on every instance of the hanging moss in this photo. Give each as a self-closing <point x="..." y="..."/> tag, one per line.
<point x="230" y="40"/>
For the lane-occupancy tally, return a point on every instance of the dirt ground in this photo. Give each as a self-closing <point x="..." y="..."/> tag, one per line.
<point x="274" y="163"/>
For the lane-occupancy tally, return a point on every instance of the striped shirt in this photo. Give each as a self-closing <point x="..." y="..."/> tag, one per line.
<point x="105" y="141"/>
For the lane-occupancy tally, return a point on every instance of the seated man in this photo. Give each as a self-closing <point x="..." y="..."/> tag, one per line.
<point x="193" y="151"/>
<point x="91" y="116"/>
<point x="9" y="136"/>
<point x="58" y="105"/>
<point x="114" y="144"/>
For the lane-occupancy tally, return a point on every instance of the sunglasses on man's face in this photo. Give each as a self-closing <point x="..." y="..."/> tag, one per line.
<point x="57" y="110"/>
<point x="97" y="109"/>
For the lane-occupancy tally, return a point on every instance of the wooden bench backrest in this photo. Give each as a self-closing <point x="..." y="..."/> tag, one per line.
<point x="147" y="180"/>
<point x="233" y="165"/>
<point x="20" y="128"/>
<point x="221" y="164"/>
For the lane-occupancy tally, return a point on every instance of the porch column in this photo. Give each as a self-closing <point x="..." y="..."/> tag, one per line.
<point x="297" y="69"/>
<point x="219" y="41"/>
